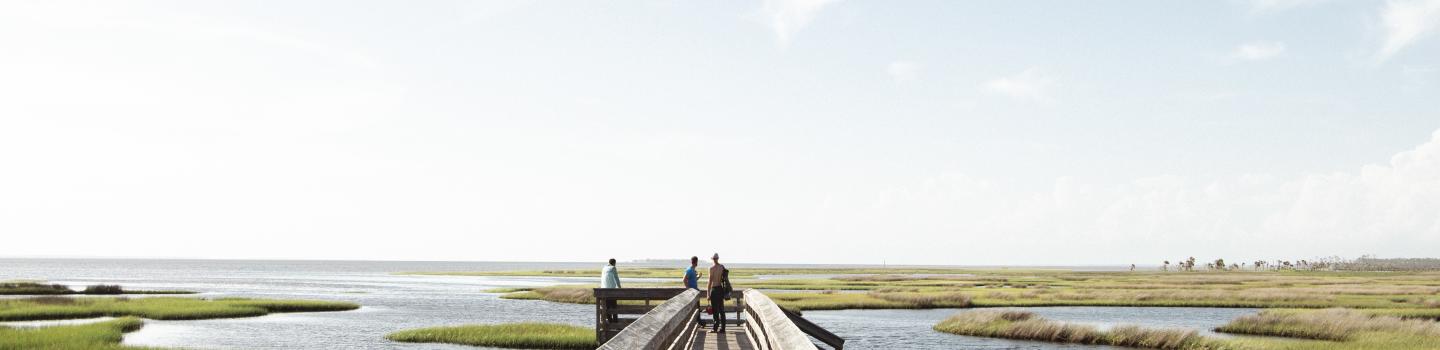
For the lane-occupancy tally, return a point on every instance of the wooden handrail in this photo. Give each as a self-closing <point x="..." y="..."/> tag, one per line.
<point x="672" y="324"/>
<point x="814" y="330"/>
<point x="659" y="328"/>
<point x="773" y="329"/>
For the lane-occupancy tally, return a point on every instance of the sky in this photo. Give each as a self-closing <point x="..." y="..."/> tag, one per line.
<point x="773" y="131"/>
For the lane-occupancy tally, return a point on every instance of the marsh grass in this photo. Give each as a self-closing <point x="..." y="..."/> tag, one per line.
<point x="159" y="308"/>
<point x="1409" y="295"/>
<point x="507" y="290"/>
<point x="512" y="335"/>
<point x="36" y="288"/>
<point x="33" y="288"/>
<point x="926" y="300"/>
<point x="559" y="294"/>
<point x="103" y="289"/>
<point x="100" y="335"/>
<point x="1024" y="325"/>
<point x="1328" y="324"/>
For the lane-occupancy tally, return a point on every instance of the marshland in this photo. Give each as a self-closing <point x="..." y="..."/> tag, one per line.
<point x="374" y="305"/>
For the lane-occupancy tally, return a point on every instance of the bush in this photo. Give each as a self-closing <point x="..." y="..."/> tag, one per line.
<point x="103" y="289"/>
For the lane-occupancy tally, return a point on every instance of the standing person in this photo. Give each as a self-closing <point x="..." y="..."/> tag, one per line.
<point x="609" y="278"/>
<point x="717" y="293"/>
<point x="692" y="280"/>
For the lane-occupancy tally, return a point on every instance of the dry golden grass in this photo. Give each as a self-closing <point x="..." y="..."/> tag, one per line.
<point x="1328" y="324"/>
<point x="562" y="294"/>
<point x="1024" y="325"/>
<point x="927" y="300"/>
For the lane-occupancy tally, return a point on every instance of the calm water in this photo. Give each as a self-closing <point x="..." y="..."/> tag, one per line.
<point x="910" y="329"/>
<point x="393" y="302"/>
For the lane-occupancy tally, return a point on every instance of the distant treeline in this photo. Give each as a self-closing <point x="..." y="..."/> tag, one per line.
<point x="1369" y="263"/>
<point x="1363" y="263"/>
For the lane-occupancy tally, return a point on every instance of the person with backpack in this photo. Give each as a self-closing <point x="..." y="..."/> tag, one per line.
<point x="719" y="290"/>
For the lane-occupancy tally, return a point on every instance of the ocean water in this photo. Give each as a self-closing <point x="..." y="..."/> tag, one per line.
<point x="393" y="302"/>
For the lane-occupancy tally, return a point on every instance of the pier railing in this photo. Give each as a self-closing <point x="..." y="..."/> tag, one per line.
<point x="667" y="326"/>
<point x="615" y="309"/>
<point x="672" y="324"/>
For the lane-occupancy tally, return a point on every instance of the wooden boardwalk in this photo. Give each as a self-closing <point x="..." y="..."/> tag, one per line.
<point x="679" y="323"/>
<point x="734" y="338"/>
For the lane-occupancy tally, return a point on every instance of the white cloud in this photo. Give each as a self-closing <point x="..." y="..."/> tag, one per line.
<point x="1405" y="22"/>
<point x="1030" y="84"/>
<point x="788" y="17"/>
<point x="1263" y="6"/>
<point x="903" y="71"/>
<point x="1391" y="209"/>
<point x="1257" y="51"/>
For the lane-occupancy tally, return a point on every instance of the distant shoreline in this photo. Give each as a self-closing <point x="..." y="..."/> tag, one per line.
<point x="639" y="262"/>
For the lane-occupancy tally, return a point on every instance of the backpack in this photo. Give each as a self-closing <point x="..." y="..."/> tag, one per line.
<point x="725" y="282"/>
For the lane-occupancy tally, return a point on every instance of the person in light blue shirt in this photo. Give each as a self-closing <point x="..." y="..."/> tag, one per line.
<point x="692" y="280"/>
<point x="609" y="278"/>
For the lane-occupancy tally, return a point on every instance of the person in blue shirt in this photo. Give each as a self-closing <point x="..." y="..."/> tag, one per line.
<point x="692" y="280"/>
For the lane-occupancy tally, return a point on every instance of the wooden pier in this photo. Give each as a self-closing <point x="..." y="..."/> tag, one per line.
<point x="625" y="319"/>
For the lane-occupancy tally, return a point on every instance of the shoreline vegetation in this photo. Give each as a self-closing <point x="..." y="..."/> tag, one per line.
<point x="1025" y="325"/>
<point x="1331" y="329"/>
<point x="1399" y="294"/>
<point x="1306" y="306"/>
<point x="36" y="288"/>
<point x="54" y="302"/>
<point x="529" y="335"/>
<point x="100" y="335"/>
<point x="156" y="308"/>
<point x="665" y="272"/>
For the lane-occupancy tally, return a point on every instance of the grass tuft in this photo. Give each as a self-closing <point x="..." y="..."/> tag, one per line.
<point x="163" y="308"/>
<point x="512" y="335"/>
<point x="100" y="335"/>
<point x="35" y="288"/>
<point x="561" y="294"/>
<point x="1328" y="324"/>
<point x="1024" y="325"/>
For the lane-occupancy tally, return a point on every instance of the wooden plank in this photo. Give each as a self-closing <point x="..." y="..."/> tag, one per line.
<point x="814" y="330"/>
<point x="729" y="308"/>
<point x="630" y="309"/>
<point x="686" y="337"/>
<point x="780" y="332"/>
<point x="651" y="331"/>
<point x="734" y="294"/>
<point x="707" y="322"/>
<point x="637" y="293"/>
<point x="732" y="339"/>
<point x="619" y="324"/>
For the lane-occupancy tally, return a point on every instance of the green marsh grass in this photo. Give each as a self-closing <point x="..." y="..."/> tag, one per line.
<point x="1407" y="294"/>
<point x="158" y="308"/>
<point x="559" y="294"/>
<point x="1328" y="324"/>
<point x="36" y="288"/>
<point x="1024" y="325"/>
<point x="100" y="335"/>
<point x="512" y="335"/>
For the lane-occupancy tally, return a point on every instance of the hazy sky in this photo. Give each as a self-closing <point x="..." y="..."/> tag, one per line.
<point x="816" y="131"/>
